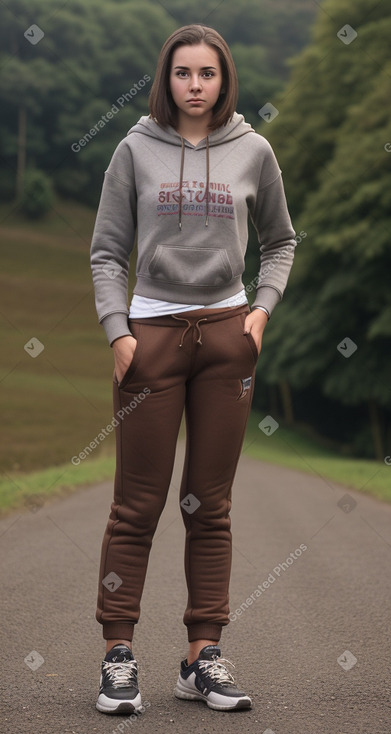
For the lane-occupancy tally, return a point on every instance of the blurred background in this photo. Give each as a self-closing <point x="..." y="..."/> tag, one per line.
<point x="67" y="68"/>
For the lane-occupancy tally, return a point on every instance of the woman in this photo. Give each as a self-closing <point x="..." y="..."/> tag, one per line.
<point x="186" y="176"/>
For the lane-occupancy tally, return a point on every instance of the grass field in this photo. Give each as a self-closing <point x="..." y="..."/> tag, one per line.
<point x="295" y="449"/>
<point x="285" y="447"/>
<point x="54" y="404"/>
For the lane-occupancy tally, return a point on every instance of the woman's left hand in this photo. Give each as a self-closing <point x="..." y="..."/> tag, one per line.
<point x="254" y="324"/>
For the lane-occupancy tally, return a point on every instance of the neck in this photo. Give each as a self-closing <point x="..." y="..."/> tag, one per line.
<point x="193" y="129"/>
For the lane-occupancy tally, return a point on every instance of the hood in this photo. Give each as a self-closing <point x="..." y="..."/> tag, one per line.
<point x="235" y="128"/>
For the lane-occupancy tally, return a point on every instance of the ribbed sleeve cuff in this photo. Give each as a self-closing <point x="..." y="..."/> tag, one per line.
<point x="116" y="325"/>
<point x="267" y="297"/>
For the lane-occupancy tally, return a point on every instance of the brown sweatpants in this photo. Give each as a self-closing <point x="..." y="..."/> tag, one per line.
<point x="200" y="361"/>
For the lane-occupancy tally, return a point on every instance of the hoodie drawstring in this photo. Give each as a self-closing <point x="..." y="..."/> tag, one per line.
<point x="180" y="318"/>
<point x="207" y="181"/>
<point x="181" y="182"/>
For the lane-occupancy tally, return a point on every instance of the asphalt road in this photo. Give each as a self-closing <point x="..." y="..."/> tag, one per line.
<point x="311" y="646"/>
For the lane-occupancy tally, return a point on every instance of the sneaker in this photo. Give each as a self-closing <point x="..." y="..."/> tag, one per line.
<point x="118" y="692"/>
<point x="207" y="679"/>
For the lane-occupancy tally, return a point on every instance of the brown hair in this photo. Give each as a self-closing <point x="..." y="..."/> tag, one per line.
<point x="161" y="104"/>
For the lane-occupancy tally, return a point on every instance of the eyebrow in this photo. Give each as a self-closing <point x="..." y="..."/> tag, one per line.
<point x="203" y="68"/>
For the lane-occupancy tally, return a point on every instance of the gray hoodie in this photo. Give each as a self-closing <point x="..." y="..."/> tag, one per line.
<point x="189" y="205"/>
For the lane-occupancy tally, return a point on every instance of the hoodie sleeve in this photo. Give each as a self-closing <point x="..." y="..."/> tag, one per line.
<point x="270" y="216"/>
<point x="113" y="241"/>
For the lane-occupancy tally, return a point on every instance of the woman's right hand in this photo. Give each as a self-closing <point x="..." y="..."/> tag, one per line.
<point x="124" y="349"/>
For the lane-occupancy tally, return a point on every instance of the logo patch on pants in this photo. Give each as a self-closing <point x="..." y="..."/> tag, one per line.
<point x="246" y="384"/>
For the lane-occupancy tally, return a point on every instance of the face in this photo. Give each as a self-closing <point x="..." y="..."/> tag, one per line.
<point x="195" y="74"/>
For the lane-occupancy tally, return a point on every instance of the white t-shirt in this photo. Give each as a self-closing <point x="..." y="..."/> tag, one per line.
<point x="142" y="307"/>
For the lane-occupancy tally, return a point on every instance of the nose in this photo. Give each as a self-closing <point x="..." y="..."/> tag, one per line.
<point x="195" y="82"/>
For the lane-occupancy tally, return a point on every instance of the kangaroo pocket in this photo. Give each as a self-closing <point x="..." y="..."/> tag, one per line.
<point x="197" y="266"/>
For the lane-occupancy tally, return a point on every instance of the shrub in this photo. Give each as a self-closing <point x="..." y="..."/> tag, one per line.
<point x="37" y="196"/>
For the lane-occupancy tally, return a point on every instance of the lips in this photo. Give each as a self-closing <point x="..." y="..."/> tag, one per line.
<point x="195" y="100"/>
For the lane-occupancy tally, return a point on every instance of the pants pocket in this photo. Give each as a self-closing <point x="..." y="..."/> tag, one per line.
<point x="136" y="329"/>
<point x="252" y="346"/>
<point x="249" y="338"/>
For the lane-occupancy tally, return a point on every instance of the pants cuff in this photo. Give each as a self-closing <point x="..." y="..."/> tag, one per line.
<point x="204" y="631"/>
<point x="118" y="631"/>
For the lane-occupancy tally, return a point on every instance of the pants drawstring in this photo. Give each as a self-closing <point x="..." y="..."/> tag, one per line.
<point x="199" y="330"/>
<point x="182" y="318"/>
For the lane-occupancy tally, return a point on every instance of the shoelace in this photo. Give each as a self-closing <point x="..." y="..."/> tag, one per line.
<point x="121" y="675"/>
<point x="217" y="671"/>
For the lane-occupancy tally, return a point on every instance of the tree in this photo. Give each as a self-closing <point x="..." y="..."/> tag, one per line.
<point x="338" y="298"/>
<point x="56" y="90"/>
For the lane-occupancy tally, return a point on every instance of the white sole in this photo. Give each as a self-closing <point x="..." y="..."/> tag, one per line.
<point x="234" y="705"/>
<point x="112" y="706"/>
